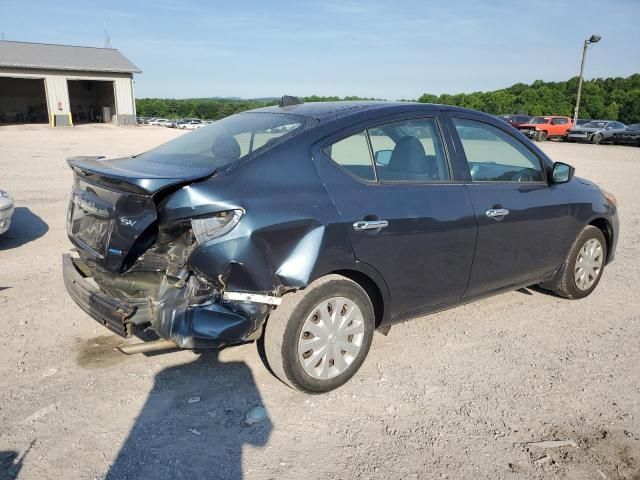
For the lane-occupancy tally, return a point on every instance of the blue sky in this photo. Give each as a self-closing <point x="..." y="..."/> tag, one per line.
<point x="385" y="49"/>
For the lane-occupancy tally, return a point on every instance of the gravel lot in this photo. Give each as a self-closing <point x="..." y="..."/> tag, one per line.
<point x="458" y="394"/>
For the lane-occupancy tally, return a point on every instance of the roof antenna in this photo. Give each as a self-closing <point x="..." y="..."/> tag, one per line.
<point x="288" y="100"/>
<point x="107" y="38"/>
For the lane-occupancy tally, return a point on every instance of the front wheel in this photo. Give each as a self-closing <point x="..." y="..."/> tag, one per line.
<point x="542" y="136"/>
<point x="318" y="338"/>
<point x="584" y="266"/>
<point x="596" y="139"/>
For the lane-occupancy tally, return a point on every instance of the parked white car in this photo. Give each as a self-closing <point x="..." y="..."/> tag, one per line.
<point x="192" y="124"/>
<point x="158" y="121"/>
<point x="6" y="210"/>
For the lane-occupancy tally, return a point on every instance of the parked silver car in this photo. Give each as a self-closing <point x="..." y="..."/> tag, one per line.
<point x="595" y="131"/>
<point x="6" y="210"/>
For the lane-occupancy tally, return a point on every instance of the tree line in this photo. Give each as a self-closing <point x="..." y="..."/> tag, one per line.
<point x="606" y="98"/>
<point x="602" y="98"/>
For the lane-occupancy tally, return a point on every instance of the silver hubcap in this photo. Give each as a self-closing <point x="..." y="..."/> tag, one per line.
<point x="588" y="264"/>
<point x="331" y="338"/>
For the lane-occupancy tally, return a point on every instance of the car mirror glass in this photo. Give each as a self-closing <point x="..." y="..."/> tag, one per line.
<point x="383" y="157"/>
<point x="562" y="172"/>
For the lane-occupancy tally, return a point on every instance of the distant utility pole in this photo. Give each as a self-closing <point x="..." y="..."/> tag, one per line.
<point x="107" y="38"/>
<point x="592" y="39"/>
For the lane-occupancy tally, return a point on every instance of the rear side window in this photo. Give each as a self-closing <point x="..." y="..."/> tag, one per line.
<point x="352" y="154"/>
<point x="495" y="156"/>
<point x="409" y="151"/>
<point x="404" y="151"/>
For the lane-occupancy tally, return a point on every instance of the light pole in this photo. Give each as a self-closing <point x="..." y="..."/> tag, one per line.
<point x="592" y="39"/>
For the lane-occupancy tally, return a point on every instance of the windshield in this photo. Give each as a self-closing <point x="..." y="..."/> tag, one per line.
<point x="226" y="141"/>
<point x="539" y="120"/>
<point x="594" y="125"/>
<point x="634" y="127"/>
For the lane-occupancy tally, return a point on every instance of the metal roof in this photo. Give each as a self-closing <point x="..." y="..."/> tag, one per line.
<point x="321" y="110"/>
<point x="64" y="57"/>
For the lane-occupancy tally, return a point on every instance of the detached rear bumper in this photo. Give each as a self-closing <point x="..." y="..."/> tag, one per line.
<point x="207" y="326"/>
<point x="110" y="312"/>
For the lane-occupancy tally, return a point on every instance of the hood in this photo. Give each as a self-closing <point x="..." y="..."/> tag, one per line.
<point x="136" y="174"/>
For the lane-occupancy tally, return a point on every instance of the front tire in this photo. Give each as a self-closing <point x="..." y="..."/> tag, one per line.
<point x="596" y="139"/>
<point x="542" y="136"/>
<point x="318" y="338"/>
<point x="584" y="266"/>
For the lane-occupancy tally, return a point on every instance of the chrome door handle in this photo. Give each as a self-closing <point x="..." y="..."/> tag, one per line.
<point x="497" y="213"/>
<point x="369" y="225"/>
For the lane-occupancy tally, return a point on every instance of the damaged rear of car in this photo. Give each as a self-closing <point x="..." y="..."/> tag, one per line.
<point x="174" y="239"/>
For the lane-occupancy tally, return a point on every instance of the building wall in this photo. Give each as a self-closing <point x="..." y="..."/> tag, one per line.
<point x="58" y="92"/>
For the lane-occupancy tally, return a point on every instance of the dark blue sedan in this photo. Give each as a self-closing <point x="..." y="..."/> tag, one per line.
<point x="308" y="226"/>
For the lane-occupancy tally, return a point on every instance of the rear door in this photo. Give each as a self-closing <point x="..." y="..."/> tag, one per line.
<point x="406" y="214"/>
<point x="524" y="224"/>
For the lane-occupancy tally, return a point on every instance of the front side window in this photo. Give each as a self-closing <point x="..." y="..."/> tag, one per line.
<point x="495" y="156"/>
<point x="409" y="151"/>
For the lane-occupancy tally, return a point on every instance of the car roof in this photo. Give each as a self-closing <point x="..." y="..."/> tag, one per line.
<point x="332" y="110"/>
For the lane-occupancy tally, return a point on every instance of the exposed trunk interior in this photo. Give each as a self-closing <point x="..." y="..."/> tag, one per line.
<point x="23" y="100"/>
<point x="91" y="101"/>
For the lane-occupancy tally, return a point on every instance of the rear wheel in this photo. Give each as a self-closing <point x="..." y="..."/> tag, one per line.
<point x="318" y="338"/>
<point x="584" y="265"/>
<point x="596" y="139"/>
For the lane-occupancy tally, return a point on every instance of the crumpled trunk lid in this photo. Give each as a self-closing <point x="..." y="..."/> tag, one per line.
<point x="112" y="215"/>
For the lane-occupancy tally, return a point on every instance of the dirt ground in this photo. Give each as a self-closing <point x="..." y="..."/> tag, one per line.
<point x="459" y="394"/>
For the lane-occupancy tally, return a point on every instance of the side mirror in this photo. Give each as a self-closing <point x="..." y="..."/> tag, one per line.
<point x="383" y="157"/>
<point x="562" y="173"/>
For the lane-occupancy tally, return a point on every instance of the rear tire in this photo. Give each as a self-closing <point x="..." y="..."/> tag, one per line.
<point x="584" y="266"/>
<point x="331" y="321"/>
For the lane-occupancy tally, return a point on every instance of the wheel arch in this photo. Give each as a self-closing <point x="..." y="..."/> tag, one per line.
<point x="380" y="307"/>
<point x="607" y="230"/>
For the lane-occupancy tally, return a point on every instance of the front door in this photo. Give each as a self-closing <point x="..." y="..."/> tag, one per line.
<point x="393" y="187"/>
<point x="524" y="224"/>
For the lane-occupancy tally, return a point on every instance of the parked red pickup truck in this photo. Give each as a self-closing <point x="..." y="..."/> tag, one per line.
<point x="541" y="128"/>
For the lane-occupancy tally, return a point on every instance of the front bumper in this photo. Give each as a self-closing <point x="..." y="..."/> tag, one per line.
<point x="529" y="133"/>
<point x="5" y="218"/>
<point x="204" y="326"/>
<point x="579" y="137"/>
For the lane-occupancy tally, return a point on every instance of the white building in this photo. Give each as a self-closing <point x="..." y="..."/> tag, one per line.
<point x="65" y="85"/>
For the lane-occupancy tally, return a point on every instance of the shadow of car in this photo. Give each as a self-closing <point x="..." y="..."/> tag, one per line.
<point x="193" y="429"/>
<point x="26" y="226"/>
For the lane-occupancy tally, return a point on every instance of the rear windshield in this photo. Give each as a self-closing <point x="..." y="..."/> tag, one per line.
<point x="226" y="141"/>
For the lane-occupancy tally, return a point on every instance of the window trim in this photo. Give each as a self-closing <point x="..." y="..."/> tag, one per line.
<point x="543" y="164"/>
<point x="365" y="126"/>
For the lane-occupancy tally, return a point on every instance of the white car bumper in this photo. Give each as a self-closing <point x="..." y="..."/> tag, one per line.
<point x="6" y="210"/>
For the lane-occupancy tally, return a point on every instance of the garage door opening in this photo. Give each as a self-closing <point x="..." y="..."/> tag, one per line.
<point x="23" y="100"/>
<point x="91" y="101"/>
